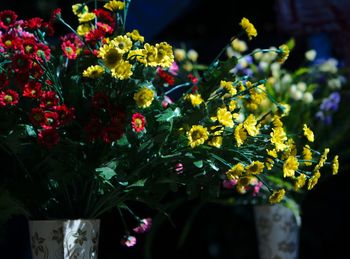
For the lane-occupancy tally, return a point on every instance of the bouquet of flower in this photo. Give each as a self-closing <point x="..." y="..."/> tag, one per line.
<point x="90" y="125"/>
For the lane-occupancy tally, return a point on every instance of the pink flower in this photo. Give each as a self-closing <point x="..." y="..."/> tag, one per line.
<point x="174" y="69"/>
<point x="145" y="226"/>
<point x="179" y="168"/>
<point x="166" y="101"/>
<point x="229" y="184"/>
<point x="257" y="188"/>
<point x="128" y="241"/>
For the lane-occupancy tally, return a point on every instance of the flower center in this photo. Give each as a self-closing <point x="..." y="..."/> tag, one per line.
<point x="8" y="98"/>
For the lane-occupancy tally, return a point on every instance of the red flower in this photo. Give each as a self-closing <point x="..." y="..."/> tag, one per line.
<point x="10" y="41"/>
<point x="21" y="63"/>
<point x="69" y="49"/>
<point x="95" y="35"/>
<point x="51" y="120"/>
<point x="55" y="15"/>
<point x="7" y="19"/>
<point x="104" y="16"/>
<point x="48" y="99"/>
<point x="37" y="116"/>
<point x="105" y="27"/>
<point x="33" y="23"/>
<point x="138" y="122"/>
<point x="32" y="90"/>
<point x="43" y="51"/>
<point x="48" y="137"/>
<point x="65" y="114"/>
<point x="8" y="97"/>
<point x="29" y="46"/>
<point x="193" y="79"/>
<point x="128" y="241"/>
<point x="169" y="79"/>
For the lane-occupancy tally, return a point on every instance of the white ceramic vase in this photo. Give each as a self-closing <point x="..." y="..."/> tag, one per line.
<point x="64" y="239"/>
<point x="277" y="232"/>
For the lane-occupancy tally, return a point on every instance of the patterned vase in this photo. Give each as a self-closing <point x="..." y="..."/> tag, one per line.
<point x="277" y="232"/>
<point x="64" y="239"/>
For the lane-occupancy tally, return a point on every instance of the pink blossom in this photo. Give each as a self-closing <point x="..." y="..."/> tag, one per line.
<point x="166" y="101"/>
<point x="174" y="69"/>
<point x="229" y="184"/>
<point x="128" y="241"/>
<point x="257" y="188"/>
<point x="179" y="168"/>
<point x="145" y="226"/>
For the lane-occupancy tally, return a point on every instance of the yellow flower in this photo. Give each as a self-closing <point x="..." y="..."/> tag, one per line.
<point x="313" y="180"/>
<point x="235" y="172"/>
<point x="136" y="54"/>
<point x="283" y="53"/>
<point x="149" y="55"/>
<point x="144" y="97"/>
<point x="93" y="71"/>
<point x="255" y="168"/>
<point x="232" y="105"/>
<point x="84" y="29"/>
<point x="216" y="141"/>
<point x="300" y="182"/>
<point x="195" y="99"/>
<point x="278" y="137"/>
<point x="240" y="134"/>
<point x="225" y="117"/>
<point x="122" y="43"/>
<point x="290" y="166"/>
<point x="250" y="125"/>
<point x="308" y="133"/>
<point x="277" y="121"/>
<point x="249" y="28"/>
<point x="197" y="135"/>
<point x="192" y="55"/>
<point x="322" y="159"/>
<point x="114" y="5"/>
<point x="228" y="86"/>
<point x="307" y="155"/>
<point x="245" y="180"/>
<point x="135" y="36"/>
<point x="79" y="9"/>
<point x="110" y="55"/>
<point x="277" y="196"/>
<point x="122" y="70"/>
<point x="165" y="56"/>
<point x="270" y="161"/>
<point x="335" y="165"/>
<point x="86" y="17"/>
<point x="179" y="54"/>
<point x="239" y="45"/>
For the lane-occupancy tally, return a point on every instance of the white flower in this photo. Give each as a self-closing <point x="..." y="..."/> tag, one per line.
<point x="334" y="83"/>
<point x="258" y="55"/>
<point x="329" y="66"/>
<point x="179" y="54"/>
<point x="275" y="69"/>
<point x="263" y="65"/>
<point x="301" y="86"/>
<point x="295" y="93"/>
<point x="286" y="79"/>
<point x="310" y="55"/>
<point x="308" y="97"/>
<point x="192" y="55"/>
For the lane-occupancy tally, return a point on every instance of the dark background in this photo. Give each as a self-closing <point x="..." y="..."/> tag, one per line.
<point x="216" y="231"/>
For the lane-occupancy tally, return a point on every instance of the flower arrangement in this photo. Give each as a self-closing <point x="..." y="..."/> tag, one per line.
<point x="90" y="124"/>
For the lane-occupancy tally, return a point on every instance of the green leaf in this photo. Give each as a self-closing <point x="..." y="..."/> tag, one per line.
<point x="106" y="173"/>
<point x="30" y="130"/>
<point x="198" y="163"/>
<point x="291" y="44"/>
<point x="123" y="141"/>
<point x="168" y="115"/>
<point x="139" y="183"/>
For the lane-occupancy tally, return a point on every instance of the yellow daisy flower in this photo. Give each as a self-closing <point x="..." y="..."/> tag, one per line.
<point x="278" y="137"/>
<point x="122" y="70"/>
<point x="225" y="117"/>
<point x="335" y="165"/>
<point x="283" y="53"/>
<point x="307" y="155"/>
<point x="277" y="196"/>
<point x="255" y="168"/>
<point x="290" y="166"/>
<point x="135" y="36"/>
<point x="235" y="172"/>
<point x="240" y="134"/>
<point x="122" y="43"/>
<point x="308" y="133"/>
<point x="144" y="97"/>
<point x="250" y="125"/>
<point x="313" y="180"/>
<point x="86" y="17"/>
<point x="249" y="28"/>
<point x="93" y="71"/>
<point x="196" y="99"/>
<point x="197" y="135"/>
<point x="300" y="182"/>
<point x="114" y="5"/>
<point x="110" y="55"/>
<point x="216" y="141"/>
